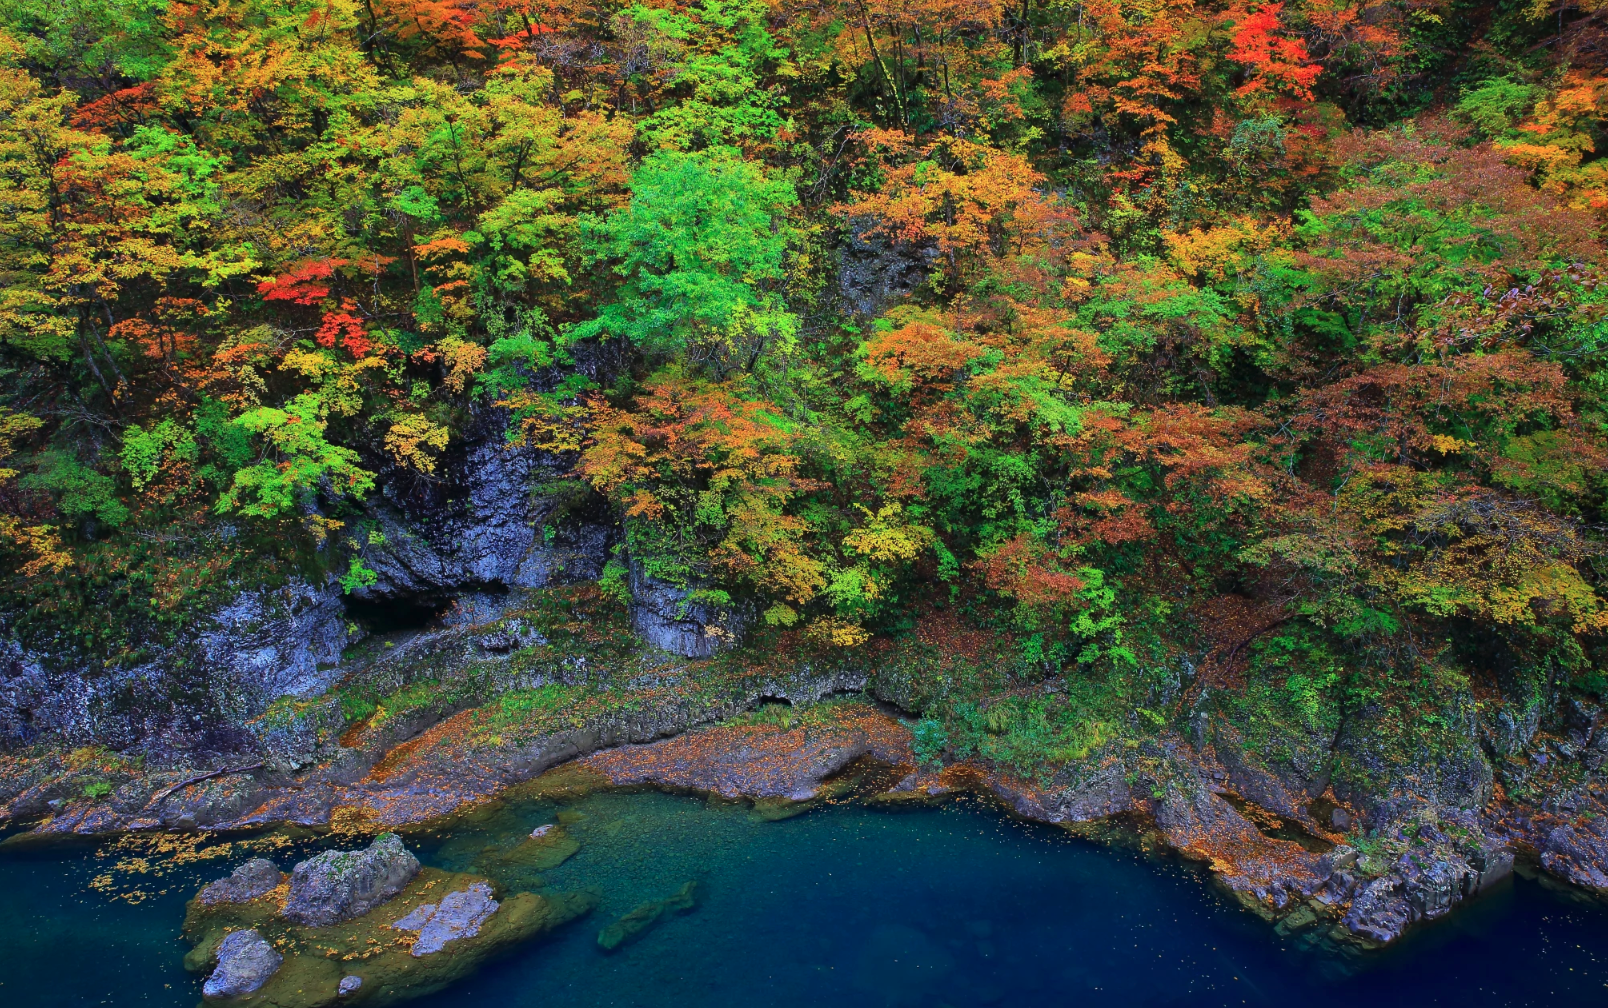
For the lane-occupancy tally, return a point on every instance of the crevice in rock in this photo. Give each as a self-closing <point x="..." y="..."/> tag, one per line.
<point x="1275" y="826"/>
<point x="393" y="615"/>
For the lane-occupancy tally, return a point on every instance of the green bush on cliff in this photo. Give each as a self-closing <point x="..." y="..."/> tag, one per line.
<point x="929" y="740"/>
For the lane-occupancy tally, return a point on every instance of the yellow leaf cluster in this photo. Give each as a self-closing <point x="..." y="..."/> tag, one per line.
<point x="414" y="441"/>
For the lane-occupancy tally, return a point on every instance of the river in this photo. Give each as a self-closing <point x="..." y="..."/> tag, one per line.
<point x="845" y="905"/>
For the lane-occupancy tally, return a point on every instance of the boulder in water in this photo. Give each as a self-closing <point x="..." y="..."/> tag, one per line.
<point x="255" y="878"/>
<point x="245" y="962"/>
<point x="338" y="886"/>
<point x="364" y="960"/>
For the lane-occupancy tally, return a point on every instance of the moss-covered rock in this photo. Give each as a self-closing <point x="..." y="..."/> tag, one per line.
<point x="339" y="885"/>
<point x="318" y="960"/>
<point x="519" y="867"/>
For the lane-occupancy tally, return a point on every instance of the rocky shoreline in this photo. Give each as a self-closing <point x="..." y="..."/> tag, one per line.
<point x="1332" y="834"/>
<point x="491" y="659"/>
<point x="1289" y="869"/>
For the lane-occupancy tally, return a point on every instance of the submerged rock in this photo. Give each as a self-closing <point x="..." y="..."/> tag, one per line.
<point x="337" y="886"/>
<point x="253" y="879"/>
<point x="245" y="962"/>
<point x="644" y="916"/>
<point x="519" y="867"/>
<point x="458" y="915"/>
<point x="348" y="985"/>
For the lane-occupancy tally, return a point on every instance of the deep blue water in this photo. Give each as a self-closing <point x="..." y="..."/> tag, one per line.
<point x="845" y="905"/>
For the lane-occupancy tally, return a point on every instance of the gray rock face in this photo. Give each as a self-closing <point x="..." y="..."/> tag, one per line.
<point x="665" y="618"/>
<point x="459" y="915"/>
<point x="1379" y="913"/>
<point x="1283" y="786"/>
<point x="487" y="529"/>
<point x="875" y="273"/>
<point x="1341" y="858"/>
<point x="245" y="962"/>
<point x="337" y="886"/>
<point x="250" y="880"/>
<point x="1456" y="778"/>
<point x="1423" y="884"/>
<point x="264" y="644"/>
<point x="29" y="706"/>
<point x="1579" y="852"/>
<point x="275" y="642"/>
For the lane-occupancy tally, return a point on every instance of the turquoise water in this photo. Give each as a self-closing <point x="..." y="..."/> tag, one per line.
<point x="845" y="905"/>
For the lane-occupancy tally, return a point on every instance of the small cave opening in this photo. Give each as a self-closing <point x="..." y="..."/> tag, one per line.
<point x="774" y="711"/>
<point x="392" y="615"/>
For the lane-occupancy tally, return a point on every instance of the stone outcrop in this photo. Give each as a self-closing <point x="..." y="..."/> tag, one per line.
<point x="255" y="878"/>
<point x="245" y="963"/>
<point x="1577" y="850"/>
<point x="497" y="521"/>
<point x="1422" y="884"/>
<point x="671" y="619"/>
<point x="1198" y="822"/>
<point x="415" y="767"/>
<point x="337" y="886"/>
<point x="272" y="643"/>
<point x="758" y="761"/>
<point x="875" y="272"/>
<point x="458" y="915"/>
<point x="190" y="697"/>
<point x="500" y="518"/>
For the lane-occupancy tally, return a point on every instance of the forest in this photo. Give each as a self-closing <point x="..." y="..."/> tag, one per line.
<point x="1275" y="324"/>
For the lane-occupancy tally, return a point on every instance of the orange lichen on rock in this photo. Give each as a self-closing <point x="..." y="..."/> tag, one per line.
<point x="1262" y="870"/>
<point x="761" y="760"/>
<point x="455" y="729"/>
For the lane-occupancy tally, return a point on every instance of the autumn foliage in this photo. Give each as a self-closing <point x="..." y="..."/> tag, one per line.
<point x="1066" y="314"/>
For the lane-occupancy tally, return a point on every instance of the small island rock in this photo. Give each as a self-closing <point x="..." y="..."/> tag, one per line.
<point x="338" y="886"/>
<point x="245" y="962"/>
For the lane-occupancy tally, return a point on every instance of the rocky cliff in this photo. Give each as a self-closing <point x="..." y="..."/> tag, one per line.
<point x="479" y="658"/>
<point x="497" y="521"/>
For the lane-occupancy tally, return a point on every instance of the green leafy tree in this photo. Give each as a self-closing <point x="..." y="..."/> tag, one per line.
<point x="703" y="249"/>
<point x="298" y="459"/>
